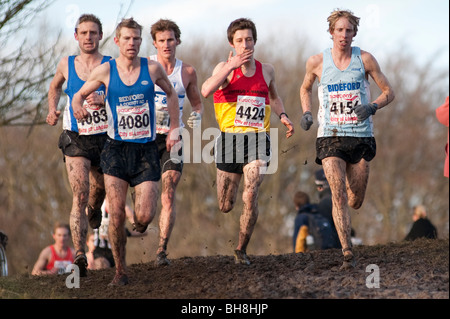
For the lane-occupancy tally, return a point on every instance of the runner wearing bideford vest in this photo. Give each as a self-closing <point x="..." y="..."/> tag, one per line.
<point x="337" y="98"/>
<point x="132" y="118"/>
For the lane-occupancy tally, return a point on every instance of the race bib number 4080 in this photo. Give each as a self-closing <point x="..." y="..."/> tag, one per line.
<point x="341" y="106"/>
<point x="134" y="122"/>
<point x="250" y="111"/>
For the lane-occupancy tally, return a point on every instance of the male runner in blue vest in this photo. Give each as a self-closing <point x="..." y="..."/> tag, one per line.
<point x="130" y="156"/>
<point x="81" y="142"/>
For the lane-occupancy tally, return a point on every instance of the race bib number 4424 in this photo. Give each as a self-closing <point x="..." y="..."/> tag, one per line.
<point x="250" y="111"/>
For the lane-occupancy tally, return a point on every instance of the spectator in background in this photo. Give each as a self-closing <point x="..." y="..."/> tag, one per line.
<point x="422" y="227"/>
<point x="442" y="116"/>
<point x="55" y="258"/>
<point x="304" y="209"/>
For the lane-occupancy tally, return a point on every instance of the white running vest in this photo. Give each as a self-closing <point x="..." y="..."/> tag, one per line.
<point x="163" y="127"/>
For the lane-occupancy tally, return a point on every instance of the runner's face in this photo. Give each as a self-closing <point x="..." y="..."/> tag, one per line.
<point x="243" y="41"/>
<point x="343" y="34"/>
<point x="88" y="37"/>
<point x="129" y="42"/>
<point x="61" y="236"/>
<point x="166" y="43"/>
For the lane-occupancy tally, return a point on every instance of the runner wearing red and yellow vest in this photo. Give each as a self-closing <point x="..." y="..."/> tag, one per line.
<point x="245" y="94"/>
<point x="244" y="105"/>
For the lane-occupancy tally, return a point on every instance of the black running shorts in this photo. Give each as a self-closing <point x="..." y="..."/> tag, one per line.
<point x="350" y="149"/>
<point x="89" y="146"/>
<point x="166" y="162"/>
<point x="133" y="162"/>
<point x="233" y="151"/>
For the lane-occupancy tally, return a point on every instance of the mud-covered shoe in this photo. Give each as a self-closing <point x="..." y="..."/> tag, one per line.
<point x="94" y="217"/>
<point x="119" y="280"/>
<point x="161" y="259"/>
<point x="82" y="264"/>
<point x="349" y="262"/>
<point x="240" y="257"/>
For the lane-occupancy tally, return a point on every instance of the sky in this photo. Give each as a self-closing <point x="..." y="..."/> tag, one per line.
<point x="421" y="27"/>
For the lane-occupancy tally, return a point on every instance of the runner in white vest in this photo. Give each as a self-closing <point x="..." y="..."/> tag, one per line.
<point x="166" y="38"/>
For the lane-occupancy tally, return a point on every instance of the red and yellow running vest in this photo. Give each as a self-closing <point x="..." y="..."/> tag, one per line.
<point x="243" y="105"/>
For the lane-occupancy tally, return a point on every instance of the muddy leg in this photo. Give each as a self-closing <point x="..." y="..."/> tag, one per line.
<point x="167" y="217"/>
<point x="78" y="173"/>
<point x="335" y="172"/>
<point x="252" y="181"/>
<point x="116" y="191"/>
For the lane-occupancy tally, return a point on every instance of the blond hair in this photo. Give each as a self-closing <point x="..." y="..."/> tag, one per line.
<point x="337" y="14"/>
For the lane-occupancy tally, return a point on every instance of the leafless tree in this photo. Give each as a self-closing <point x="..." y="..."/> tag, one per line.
<point x="25" y="67"/>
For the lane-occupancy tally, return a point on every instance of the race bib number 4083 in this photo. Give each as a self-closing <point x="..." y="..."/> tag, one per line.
<point x="250" y="111"/>
<point x="95" y="123"/>
<point x="341" y="106"/>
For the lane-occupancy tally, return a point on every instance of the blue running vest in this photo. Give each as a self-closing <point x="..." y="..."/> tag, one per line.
<point x="131" y="108"/>
<point x="340" y="91"/>
<point x="97" y="122"/>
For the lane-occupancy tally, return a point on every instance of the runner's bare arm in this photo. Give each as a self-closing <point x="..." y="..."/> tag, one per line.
<point x="373" y="69"/>
<point x="222" y="71"/>
<point x="54" y="92"/>
<point x="98" y="76"/>
<point x="159" y="77"/>
<point x="312" y="67"/>
<point x="192" y="90"/>
<point x="41" y="264"/>
<point x="276" y="103"/>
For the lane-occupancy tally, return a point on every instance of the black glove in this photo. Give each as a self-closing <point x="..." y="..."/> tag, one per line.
<point x="306" y="121"/>
<point x="364" y="111"/>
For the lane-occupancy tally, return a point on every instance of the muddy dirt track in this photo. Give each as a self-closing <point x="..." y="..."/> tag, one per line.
<point x="407" y="270"/>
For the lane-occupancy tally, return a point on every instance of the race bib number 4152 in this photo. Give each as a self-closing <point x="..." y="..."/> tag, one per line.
<point x="341" y="106"/>
<point x="250" y="111"/>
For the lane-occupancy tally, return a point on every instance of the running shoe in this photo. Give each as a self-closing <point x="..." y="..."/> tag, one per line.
<point x="240" y="257"/>
<point x="161" y="259"/>
<point x="94" y="217"/>
<point x="81" y="262"/>
<point x="349" y="262"/>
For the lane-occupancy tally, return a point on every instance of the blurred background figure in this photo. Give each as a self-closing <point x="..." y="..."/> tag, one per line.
<point x="55" y="258"/>
<point x="422" y="226"/>
<point x="100" y="254"/>
<point x="301" y="224"/>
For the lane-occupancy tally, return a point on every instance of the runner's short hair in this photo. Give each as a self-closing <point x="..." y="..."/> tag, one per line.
<point x="165" y="25"/>
<point x="87" y="17"/>
<point x="241" y="24"/>
<point x="129" y="23"/>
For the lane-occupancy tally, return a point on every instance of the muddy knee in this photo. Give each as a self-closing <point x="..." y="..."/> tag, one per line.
<point x="226" y="206"/>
